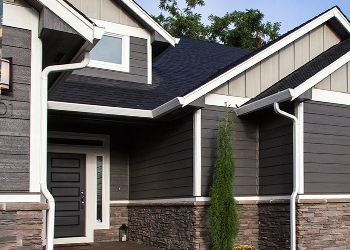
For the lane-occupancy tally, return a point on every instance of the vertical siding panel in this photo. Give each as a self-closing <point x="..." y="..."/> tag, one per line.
<point x="222" y="90"/>
<point x="253" y="81"/>
<point x="286" y="61"/>
<point x="339" y="79"/>
<point x="269" y="71"/>
<point x="330" y="37"/>
<point x="237" y="86"/>
<point x="302" y="50"/>
<point x="324" y="84"/>
<point x="91" y="8"/>
<point x="316" y="42"/>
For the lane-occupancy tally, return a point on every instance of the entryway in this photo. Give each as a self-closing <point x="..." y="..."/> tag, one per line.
<point x="78" y="178"/>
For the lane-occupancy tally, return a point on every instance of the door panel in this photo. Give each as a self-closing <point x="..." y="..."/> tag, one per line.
<point x="66" y="182"/>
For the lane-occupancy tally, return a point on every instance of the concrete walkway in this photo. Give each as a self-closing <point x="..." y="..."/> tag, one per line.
<point x="105" y="246"/>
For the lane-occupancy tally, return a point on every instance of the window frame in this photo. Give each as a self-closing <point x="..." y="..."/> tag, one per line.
<point x="125" y="65"/>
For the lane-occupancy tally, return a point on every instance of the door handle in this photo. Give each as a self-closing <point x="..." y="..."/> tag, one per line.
<point x="82" y="199"/>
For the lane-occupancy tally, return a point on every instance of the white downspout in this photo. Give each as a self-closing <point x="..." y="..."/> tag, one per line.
<point x="50" y="218"/>
<point x="296" y="163"/>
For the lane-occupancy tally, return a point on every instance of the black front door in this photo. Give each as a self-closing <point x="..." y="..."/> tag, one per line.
<point x="66" y="182"/>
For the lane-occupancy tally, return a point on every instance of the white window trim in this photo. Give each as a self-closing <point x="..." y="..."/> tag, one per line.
<point x="125" y="65"/>
<point x="91" y="153"/>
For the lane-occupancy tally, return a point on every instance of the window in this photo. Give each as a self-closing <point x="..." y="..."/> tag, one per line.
<point x="111" y="52"/>
<point x="99" y="171"/>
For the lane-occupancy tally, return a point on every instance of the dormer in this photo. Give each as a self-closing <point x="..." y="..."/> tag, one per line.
<point x="130" y="41"/>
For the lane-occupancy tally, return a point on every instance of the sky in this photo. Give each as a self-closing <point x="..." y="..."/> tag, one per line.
<point x="290" y="13"/>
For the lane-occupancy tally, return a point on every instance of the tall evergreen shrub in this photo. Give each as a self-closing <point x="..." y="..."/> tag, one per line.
<point x="223" y="213"/>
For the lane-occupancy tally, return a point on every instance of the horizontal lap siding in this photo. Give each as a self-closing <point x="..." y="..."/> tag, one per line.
<point x="327" y="148"/>
<point x="138" y="65"/>
<point x="244" y="151"/>
<point x="15" y="113"/>
<point x="275" y="155"/>
<point x="161" y="161"/>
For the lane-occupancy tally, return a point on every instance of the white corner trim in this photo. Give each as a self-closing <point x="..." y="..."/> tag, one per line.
<point x="27" y="198"/>
<point x="299" y="111"/>
<point x="320" y="95"/>
<point x="222" y="100"/>
<point x="216" y="82"/>
<point x="150" y="21"/>
<point x="95" y="109"/>
<point x="73" y="18"/>
<point x="197" y="153"/>
<point x="319" y="76"/>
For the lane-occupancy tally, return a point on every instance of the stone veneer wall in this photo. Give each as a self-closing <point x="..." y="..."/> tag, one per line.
<point x="21" y="225"/>
<point x="118" y="217"/>
<point x="323" y="224"/>
<point x="184" y="226"/>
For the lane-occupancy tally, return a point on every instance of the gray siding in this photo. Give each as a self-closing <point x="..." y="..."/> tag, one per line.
<point x="15" y="114"/>
<point x="138" y="65"/>
<point x="161" y="161"/>
<point x="326" y="147"/>
<point x="275" y="155"/>
<point x="244" y="151"/>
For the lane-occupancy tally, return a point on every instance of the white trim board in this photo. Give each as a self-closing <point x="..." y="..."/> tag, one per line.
<point x="228" y="75"/>
<point x="197" y="153"/>
<point x="320" y="95"/>
<point x="323" y="196"/>
<point x="27" y="198"/>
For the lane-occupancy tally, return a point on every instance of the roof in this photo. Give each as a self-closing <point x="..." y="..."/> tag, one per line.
<point x="176" y="71"/>
<point x="308" y="70"/>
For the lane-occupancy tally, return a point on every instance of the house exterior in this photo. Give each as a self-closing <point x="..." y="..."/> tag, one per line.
<point x="109" y="120"/>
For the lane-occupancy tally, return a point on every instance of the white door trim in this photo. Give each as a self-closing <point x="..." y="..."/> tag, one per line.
<point x="91" y="153"/>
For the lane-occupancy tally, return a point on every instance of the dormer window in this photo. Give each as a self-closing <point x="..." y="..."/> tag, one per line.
<point x="111" y="52"/>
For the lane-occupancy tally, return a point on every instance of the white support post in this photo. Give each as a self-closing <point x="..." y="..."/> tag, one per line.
<point x="197" y="153"/>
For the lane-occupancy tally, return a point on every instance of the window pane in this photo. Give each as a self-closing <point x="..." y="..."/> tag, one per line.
<point x="99" y="164"/>
<point x="108" y="49"/>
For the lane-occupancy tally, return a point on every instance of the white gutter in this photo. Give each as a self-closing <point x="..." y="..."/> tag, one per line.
<point x="296" y="162"/>
<point x="50" y="224"/>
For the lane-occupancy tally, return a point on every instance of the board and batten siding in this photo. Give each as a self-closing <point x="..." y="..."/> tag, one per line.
<point x="338" y="81"/>
<point x="161" y="161"/>
<point x="138" y="65"/>
<point x="275" y="155"/>
<point x="326" y="148"/>
<point x="245" y="151"/>
<point x="277" y="66"/>
<point x="106" y="10"/>
<point x="15" y="113"/>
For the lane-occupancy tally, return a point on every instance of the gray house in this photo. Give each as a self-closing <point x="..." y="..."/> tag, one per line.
<point x="109" y="120"/>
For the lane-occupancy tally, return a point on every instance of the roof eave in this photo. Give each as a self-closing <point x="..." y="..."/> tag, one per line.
<point x="285" y="95"/>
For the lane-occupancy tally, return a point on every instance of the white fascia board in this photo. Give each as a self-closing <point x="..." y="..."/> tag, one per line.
<point x="318" y="77"/>
<point x="150" y="21"/>
<point x="216" y="82"/>
<point x="167" y="107"/>
<point x="74" y="19"/>
<point x="320" y="95"/>
<point x="223" y="100"/>
<point x="95" y="109"/>
<point x="265" y="102"/>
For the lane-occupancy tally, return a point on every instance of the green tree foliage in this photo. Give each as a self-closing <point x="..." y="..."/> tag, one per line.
<point x="244" y="29"/>
<point x="223" y="213"/>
